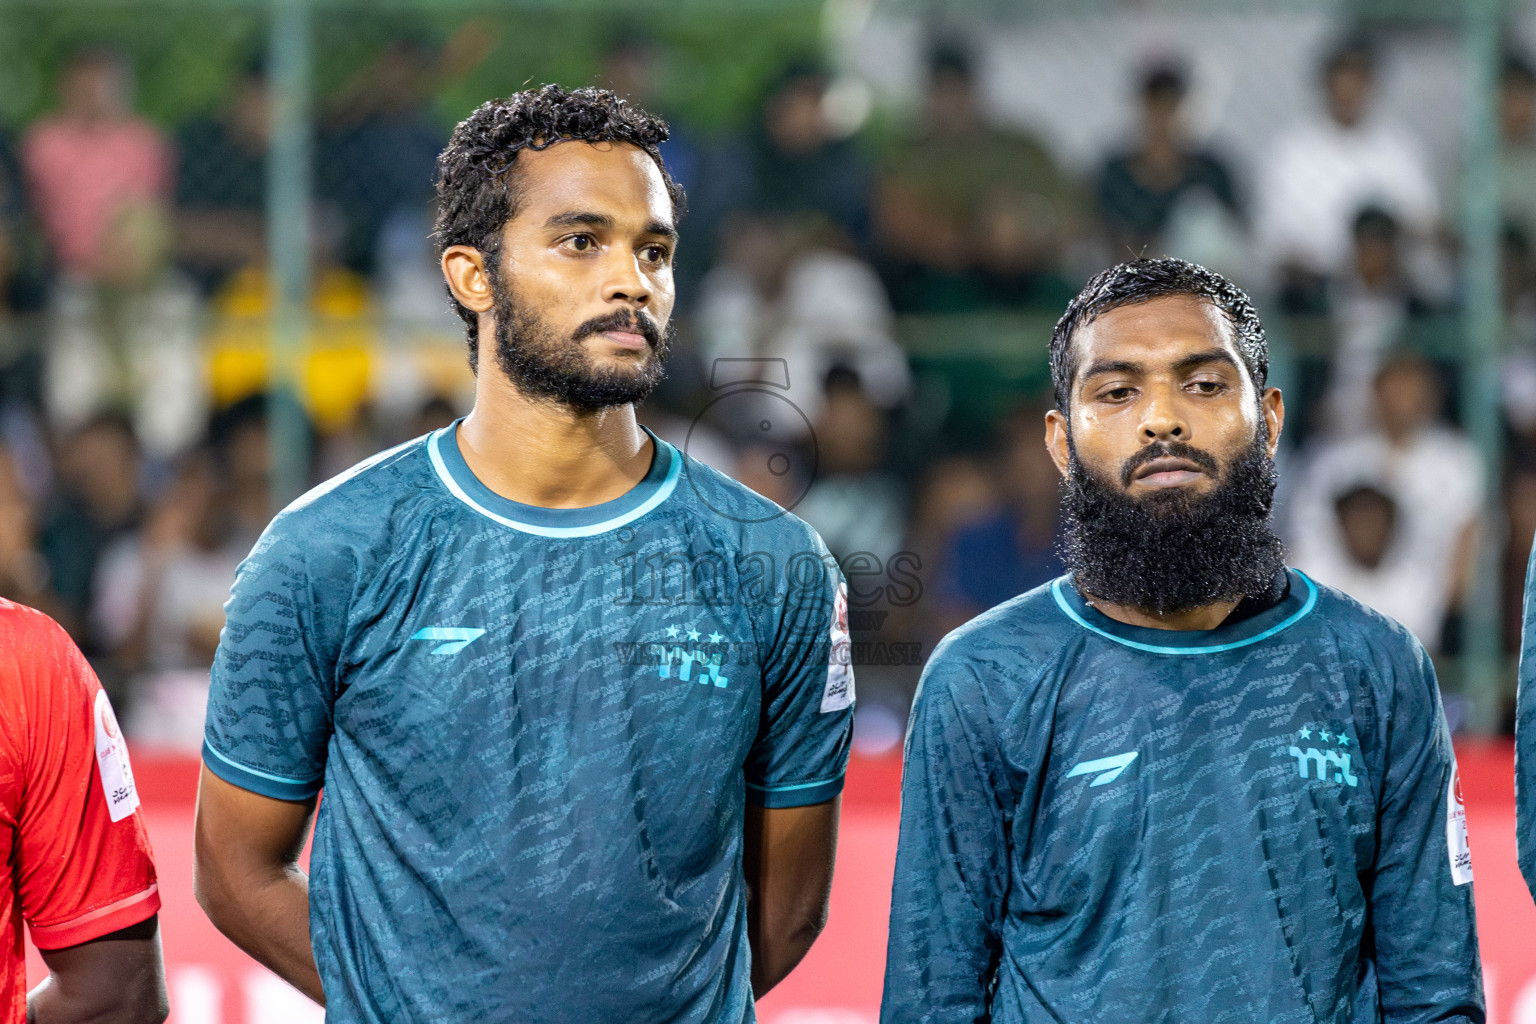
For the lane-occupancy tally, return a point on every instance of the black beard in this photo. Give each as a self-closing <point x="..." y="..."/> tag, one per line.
<point x="541" y="365"/>
<point x="1172" y="551"/>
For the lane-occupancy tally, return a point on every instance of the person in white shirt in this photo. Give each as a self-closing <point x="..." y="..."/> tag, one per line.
<point x="1322" y="172"/>
<point x="1433" y="476"/>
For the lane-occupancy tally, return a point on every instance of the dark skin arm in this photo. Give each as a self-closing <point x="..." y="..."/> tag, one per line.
<point x="116" y="979"/>
<point x="788" y="864"/>
<point x="247" y="878"/>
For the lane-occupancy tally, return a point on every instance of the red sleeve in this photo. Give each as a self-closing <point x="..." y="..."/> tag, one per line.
<point x="80" y="874"/>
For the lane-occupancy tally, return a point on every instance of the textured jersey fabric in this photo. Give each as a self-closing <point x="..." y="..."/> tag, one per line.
<point x="537" y="731"/>
<point x="1259" y="822"/>
<point x="69" y="869"/>
<point x="1525" y="736"/>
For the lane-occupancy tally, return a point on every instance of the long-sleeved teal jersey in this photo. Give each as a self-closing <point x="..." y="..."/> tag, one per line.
<point x="1525" y="736"/>
<point x="537" y="731"/>
<point x="1259" y="822"/>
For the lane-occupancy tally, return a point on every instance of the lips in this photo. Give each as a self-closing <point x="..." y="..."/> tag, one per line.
<point x="1167" y="465"/>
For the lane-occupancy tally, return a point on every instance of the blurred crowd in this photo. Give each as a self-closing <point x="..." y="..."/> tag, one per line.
<point x="135" y="456"/>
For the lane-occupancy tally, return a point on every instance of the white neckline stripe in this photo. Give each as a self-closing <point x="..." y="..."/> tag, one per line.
<point x="663" y="492"/>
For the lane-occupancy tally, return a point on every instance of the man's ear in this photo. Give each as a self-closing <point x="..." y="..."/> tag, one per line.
<point x="1056" y="440"/>
<point x="464" y="270"/>
<point x="1273" y="407"/>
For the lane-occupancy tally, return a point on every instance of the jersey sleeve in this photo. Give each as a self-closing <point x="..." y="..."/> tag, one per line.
<point x="1420" y="890"/>
<point x="801" y="750"/>
<point x="951" y="858"/>
<point x="273" y="686"/>
<point x="83" y="862"/>
<point x="1525" y="736"/>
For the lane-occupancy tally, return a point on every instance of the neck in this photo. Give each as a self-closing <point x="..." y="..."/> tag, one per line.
<point x="543" y="453"/>
<point x="1207" y="616"/>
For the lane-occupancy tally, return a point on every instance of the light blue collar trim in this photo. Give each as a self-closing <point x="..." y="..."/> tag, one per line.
<point x="1287" y="623"/>
<point x="627" y="511"/>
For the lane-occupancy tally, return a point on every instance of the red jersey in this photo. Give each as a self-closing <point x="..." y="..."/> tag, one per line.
<point x="74" y="854"/>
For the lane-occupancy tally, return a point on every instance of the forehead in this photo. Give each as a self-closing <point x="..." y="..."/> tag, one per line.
<point x="612" y="178"/>
<point x="1155" y="333"/>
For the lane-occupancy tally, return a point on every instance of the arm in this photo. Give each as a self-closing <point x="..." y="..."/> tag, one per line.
<point x="116" y="979"/>
<point x="947" y="900"/>
<point x="1421" y="919"/>
<point x="247" y="878"/>
<point x="1525" y="736"/>
<point x="788" y="859"/>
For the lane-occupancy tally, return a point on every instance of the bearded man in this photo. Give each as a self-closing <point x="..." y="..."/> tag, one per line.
<point x="1182" y="782"/>
<point x="572" y="696"/>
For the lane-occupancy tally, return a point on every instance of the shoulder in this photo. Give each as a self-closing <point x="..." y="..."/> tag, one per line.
<point x="355" y="510"/>
<point x="751" y="521"/>
<point x="28" y="632"/>
<point x="1366" y="636"/>
<point x="1011" y="641"/>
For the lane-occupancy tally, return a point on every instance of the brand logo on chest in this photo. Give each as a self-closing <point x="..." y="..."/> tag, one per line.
<point x="1326" y="756"/>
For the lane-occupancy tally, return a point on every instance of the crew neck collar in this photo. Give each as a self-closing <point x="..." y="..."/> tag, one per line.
<point x="654" y="488"/>
<point x="1295" y="606"/>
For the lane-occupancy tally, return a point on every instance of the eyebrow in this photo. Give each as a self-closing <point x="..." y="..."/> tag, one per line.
<point x="579" y="218"/>
<point x="1189" y="362"/>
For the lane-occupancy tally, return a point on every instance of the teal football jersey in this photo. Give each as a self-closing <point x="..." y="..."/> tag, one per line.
<point x="1525" y="735"/>
<point x="1106" y="823"/>
<point x="537" y="731"/>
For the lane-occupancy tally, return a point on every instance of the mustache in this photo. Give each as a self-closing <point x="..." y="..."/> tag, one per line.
<point x="1168" y="449"/>
<point x="621" y="320"/>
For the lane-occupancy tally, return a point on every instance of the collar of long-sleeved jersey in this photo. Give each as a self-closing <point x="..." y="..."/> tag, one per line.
<point x="1295" y="606"/>
<point x="652" y="490"/>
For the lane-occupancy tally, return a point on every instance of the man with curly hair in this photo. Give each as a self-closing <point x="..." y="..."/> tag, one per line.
<point x="579" y="704"/>
<point x="1181" y="782"/>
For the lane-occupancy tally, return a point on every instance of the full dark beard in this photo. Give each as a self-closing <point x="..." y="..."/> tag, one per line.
<point x="542" y="365"/>
<point x="1172" y="551"/>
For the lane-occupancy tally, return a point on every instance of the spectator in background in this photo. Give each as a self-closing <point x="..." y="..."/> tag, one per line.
<point x="854" y="502"/>
<point x="1165" y="177"/>
<point x="789" y="163"/>
<point x="96" y="170"/>
<point x="96" y="502"/>
<point x="159" y="600"/>
<point x="1324" y="170"/>
<point x="377" y="153"/>
<point x="1370" y="303"/>
<point x="24" y="573"/>
<point x="969" y="214"/>
<point x="1517" y="144"/>
<point x="1014" y="549"/>
<point x="221" y="184"/>
<point x="123" y="329"/>
<point x="1431" y="473"/>
<point x="791" y="289"/>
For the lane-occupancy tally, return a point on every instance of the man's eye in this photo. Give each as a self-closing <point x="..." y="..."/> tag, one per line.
<point x="581" y="243"/>
<point x="1116" y="394"/>
<point x="655" y="254"/>
<point x="1209" y="387"/>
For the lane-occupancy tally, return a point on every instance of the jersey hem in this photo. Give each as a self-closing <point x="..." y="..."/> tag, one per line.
<point x="115" y="916"/>
<point x="797" y="795"/>
<point x="256" y="781"/>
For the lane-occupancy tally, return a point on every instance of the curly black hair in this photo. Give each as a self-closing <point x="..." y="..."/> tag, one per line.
<point x="1140" y="280"/>
<point x="477" y="189"/>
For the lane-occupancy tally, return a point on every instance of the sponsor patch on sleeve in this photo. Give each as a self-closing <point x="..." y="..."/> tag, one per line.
<point x="1456" y="831"/>
<point x="112" y="762"/>
<point x="838" y="694"/>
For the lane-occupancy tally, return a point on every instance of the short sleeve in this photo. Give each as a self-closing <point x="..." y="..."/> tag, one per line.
<point x="273" y="684"/>
<point x="948" y="897"/>
<point x="801" y="750"/>
<point x="83" y="863"/>
<point x="1420" y="890"/>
